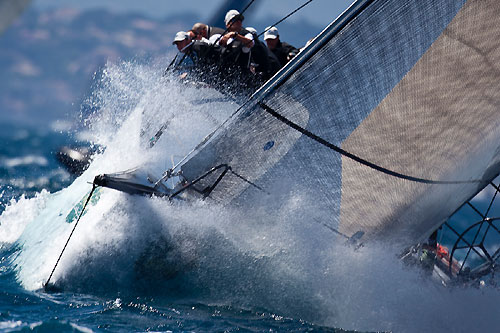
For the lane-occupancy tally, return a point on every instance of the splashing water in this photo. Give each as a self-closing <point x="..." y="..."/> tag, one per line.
<point x="204" y="253"/>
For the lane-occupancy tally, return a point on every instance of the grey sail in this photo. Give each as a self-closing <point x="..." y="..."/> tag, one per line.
<point x="409" y="91"/>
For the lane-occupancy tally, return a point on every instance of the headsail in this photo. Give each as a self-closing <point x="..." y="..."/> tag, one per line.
<point x="412" y="87"/>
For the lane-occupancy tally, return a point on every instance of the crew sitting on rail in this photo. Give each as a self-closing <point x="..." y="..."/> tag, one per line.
<point x="283" y="51"/>
<point x="235" y="62"/>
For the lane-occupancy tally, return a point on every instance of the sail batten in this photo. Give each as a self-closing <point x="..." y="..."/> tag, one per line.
<point x="409" y="86"/>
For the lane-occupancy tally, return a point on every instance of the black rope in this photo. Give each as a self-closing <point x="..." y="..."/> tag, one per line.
<point x="179" y="62"/>
<point x="357" y="158"/>
<point x="46" y="285"/>
<point x="193" y="182"/>
<point x="353" y="240"/>
<point x="475" y="209"/>
<point x="227" y="168"/>
<point x="284" y="18"/>
<point x="249" y="182"/>
<point x="329" y="227"/>
<point x="170" y="65"/>
<point x="478" y="231"/>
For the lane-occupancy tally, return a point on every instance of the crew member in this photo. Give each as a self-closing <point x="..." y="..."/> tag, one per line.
<point x="236" y="56"/>
<point x="283" y="51"/>
<point x="236" y="39"/>
<point x="197" y="59"/>
<point x="263" y="62"/>
<point x="182" y="39"/>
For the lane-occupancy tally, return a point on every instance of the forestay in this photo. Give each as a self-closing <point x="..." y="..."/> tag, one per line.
<point x="410" y="86"/>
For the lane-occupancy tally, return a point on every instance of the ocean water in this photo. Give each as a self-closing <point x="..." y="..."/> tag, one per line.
<point x="138" y="264"/>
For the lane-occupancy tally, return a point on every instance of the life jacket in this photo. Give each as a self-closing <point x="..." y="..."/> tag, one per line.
<point x="442" y="251"/>
<point x="274" y="63"/>
<point x="233" y="54"/>
<point x="285" y="52"/>
<point x="259" y="58"/>
<point x="214" y="31"/>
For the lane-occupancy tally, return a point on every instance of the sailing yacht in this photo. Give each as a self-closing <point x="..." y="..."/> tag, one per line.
<point x="387" y="122"/>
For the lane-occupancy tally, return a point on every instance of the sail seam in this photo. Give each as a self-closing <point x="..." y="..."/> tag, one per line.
<point x="358" y="159"/>
<point x="476" y="49"/>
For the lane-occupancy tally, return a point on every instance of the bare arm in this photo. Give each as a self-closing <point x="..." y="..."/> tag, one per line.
<point x="226" y="37"/>
<point x="247" y="42"/>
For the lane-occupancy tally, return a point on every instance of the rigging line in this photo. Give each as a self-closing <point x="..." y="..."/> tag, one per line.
<point x="460" y="238"/>
<point x="442" y="234"/>
<point x="485" y="219"/>
<point x="358" y="159"/>
<point x="284" y="18"/>
<point x="94" y="186"/>
<point x="475" y="209"/>
<point x="353" y="240"/>
<point x="331" y="229"/>
<point x="497" y="190"/>
<point x="249" y="182"/>
<point x="170" y="65"/>
<point x="470" y="248"/>
<point x="180" y="61"/>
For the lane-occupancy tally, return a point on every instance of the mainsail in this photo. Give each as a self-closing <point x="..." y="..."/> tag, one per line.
<point x="411" y="87"/>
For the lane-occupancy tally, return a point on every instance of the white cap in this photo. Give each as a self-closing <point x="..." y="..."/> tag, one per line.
<point x="230" y="15"/>
<point x="180" y="36"/>
<point x="271" y="33"/>
<point x="251" y="30"/>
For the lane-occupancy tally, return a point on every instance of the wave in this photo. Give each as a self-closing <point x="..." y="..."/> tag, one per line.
<point x="23" y="161"/>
